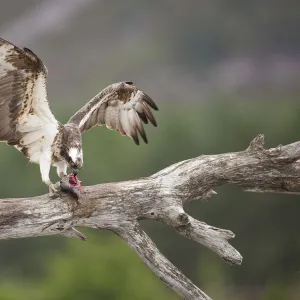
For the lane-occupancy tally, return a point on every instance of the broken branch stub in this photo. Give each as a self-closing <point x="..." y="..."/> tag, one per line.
<point x="119" y="206"/>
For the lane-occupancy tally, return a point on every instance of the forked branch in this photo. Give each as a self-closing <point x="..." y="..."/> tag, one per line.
<point x="119" y="206"/>
<point x="162" y="267"/>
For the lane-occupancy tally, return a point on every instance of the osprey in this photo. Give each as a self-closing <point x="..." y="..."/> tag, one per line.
<point x="27" y="123"/>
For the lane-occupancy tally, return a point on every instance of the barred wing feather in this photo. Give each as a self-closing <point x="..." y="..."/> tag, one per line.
<point x="120" y="106"/>
<point x="26" y="120"/>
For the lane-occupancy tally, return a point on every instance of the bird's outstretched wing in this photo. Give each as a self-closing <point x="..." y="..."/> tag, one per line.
<point x="25" y="117"/>
<point x="120" y="106"/>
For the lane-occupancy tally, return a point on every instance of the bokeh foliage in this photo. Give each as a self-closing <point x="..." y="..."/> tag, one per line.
<point x="266" y="225"/>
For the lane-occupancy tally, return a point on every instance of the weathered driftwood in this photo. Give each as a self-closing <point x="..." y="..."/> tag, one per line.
<point x="119" y="206"/>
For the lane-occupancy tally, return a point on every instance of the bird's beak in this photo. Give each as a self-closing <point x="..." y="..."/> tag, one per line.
<point x="75" y="172"/>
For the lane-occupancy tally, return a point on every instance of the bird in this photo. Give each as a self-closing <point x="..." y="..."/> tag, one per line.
<point x="28" y="124"/>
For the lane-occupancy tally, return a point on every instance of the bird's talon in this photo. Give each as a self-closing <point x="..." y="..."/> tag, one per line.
<point x="54" y="190"/>
<point x="54" y="195"/>
<point x="57" y="186"/>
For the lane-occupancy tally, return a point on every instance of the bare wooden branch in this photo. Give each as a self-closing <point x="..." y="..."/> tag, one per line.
<point x="119" y="206"/>
<point x="163" y="268"/>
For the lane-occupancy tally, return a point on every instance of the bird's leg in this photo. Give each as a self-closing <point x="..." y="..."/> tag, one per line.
<point x="45" y="164"/>
<point x="61" y="169"/>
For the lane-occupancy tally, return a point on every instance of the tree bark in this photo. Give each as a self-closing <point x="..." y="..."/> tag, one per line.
<point x="119" y="206"/>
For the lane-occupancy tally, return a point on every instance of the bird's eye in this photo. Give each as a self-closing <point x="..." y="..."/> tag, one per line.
<point x="73" y="164"/>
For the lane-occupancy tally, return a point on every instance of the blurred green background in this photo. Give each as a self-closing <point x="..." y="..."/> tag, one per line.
<point x="221" y="73"/>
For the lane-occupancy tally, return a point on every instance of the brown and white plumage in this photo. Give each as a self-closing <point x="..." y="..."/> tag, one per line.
<point x="122" y="107"/>
<point x="27" y="122"/>
<point x="24" y="109"/>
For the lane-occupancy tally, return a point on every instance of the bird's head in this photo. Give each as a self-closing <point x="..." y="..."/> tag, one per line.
<point x="74" y="159"/>
<point x="71" y="149"/>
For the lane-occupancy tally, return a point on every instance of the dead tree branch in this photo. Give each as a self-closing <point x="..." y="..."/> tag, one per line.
<point x="119" y="206"/>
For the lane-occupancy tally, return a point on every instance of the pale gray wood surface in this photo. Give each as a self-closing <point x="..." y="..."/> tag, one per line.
<point x="119" y="206"/>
